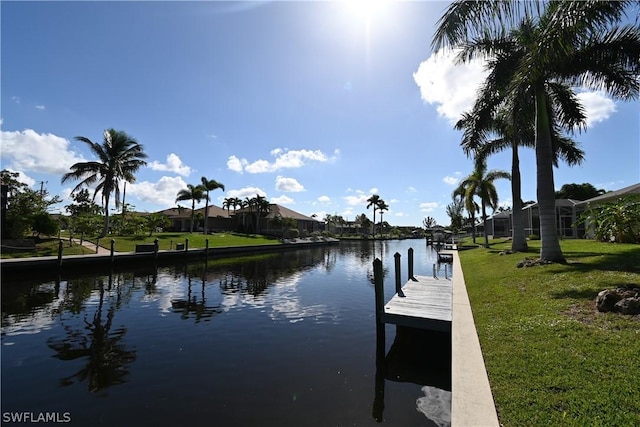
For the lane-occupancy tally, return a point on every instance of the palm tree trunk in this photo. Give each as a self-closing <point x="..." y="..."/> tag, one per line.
<point x="193" y="212"/>
<point x="206" y="214"/>
<point x="105" y="229"/>
<point x="550" y="244"/>
<point x="484" y="222"/>
<point x="518" y="238"/>
<point x="473" y="228"/>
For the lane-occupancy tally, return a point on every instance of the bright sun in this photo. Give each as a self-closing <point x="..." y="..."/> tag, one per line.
<point x="366" y="10"/>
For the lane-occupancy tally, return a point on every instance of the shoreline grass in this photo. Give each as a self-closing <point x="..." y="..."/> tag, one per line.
<point x="166" y="241"/>
<point x="552" y="359"/>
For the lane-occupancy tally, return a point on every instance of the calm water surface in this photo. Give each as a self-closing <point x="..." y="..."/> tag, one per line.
<point x="286" y="339"/>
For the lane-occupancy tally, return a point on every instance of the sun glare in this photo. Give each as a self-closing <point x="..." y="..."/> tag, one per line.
<point x="366" y="10"/>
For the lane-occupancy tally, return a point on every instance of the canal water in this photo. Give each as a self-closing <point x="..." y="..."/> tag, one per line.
<point x="284" y="339"/>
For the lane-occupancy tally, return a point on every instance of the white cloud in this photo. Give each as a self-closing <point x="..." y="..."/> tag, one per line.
<point x="356" y="200"/>
<point x="16" y="99"/>
<point x="174" y="164"/>
<point x="283" y="200"/>
<point x="412" y="189"/>
<point x="23" y="178"/>
<point x="324" y="199"/>
<point x="40" y="107"/>
<point x="428" y="206"/>
<point x="246" y="192"/>
<point x="284" y="159"/>
<point x="288" y="184"/>
<point x="450" y="86"/>
<point x="162" y="192"/>
<point x="235" y="164"/>
<point x="598" y="107"/>
<point x="451" y="180"/>
<point x="374" y="190"/>
<point x="29" y="150"/>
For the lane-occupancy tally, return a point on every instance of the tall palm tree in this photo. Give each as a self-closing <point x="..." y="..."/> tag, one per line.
<point x="209" y="185"/>
<point x="468" y="197"/>
<point x="508" y="116"/>
<point x="578" y="43"/>
<point x="119" y="157"/>
<point x="480" y="183"/>
<point x="382" y="206"/>
<point x="193" y="193"/>
<point x="227" y="204"/>
<point x="373" y="201"/>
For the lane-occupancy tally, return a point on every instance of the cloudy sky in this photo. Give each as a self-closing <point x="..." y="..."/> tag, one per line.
<point x="314" y="105"/>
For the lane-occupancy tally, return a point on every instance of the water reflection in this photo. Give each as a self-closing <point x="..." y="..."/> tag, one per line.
<point x="305" y="317"/>
<point x="420" y="357"/>
<point x="106" y="356"/>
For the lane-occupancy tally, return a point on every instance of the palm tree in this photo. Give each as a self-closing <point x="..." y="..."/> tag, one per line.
<point x="577" y="43"/>
<point x="209" y="185"/>
<point x="382" y="206"/>
<point x="468" y="196"/>
<point x="118" y="158"/>
<point x="480" y="183"/>
<point x="509" y="116"/>
<point x="193" y="193"/>
<point x="373" y="201"/>
<point x="227" y="203"/>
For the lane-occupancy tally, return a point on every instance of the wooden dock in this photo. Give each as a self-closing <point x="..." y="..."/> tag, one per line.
<point x="426" y="305"/>
<point x="423" y="302"/>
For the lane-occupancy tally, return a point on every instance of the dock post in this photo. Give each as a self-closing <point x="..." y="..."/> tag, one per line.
<point x="186" y="247"/>
<point x="60" y="253"/>
<point x="206" y="249"/>
<point x="410" y="260"/>
<point x="379" y="289"/>
<point x="155" y="248"/>
<point x="434" y="272"/>
<point x="398" y="276"/>
<point x="113" y="243"/>
<point x="97" y="244"/>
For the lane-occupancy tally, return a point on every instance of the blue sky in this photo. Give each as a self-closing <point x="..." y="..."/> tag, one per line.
<point x="314" y="105"/>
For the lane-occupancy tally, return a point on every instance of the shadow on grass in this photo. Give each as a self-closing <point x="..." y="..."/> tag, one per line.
<point x="627" y="261"/>
<point x="587" y="294"/>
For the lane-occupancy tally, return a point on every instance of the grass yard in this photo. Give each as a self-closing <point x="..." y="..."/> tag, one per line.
<point x="196" y="240"/>
<point x="49" y="247"/>
<point x="552" y="359"/>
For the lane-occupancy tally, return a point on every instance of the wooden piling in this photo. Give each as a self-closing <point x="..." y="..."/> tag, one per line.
<point x="379" y="289"/>
<point x="155" y="248"/>
<point x="410" y="262"/>
<point x="60" y="244"/>
<point x="113" y="243"/>
<point x="398" y="278"/>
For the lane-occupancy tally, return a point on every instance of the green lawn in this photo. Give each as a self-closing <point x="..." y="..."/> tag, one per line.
<point x="196" y="240"/>
<point x="165" y="241"/>
<point x="49" y="247"/>
<point x="552" y="359"/>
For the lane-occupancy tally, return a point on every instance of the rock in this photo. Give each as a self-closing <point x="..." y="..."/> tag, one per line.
<point x="623" y="299"/>
<point x="530" y="262"/>
<point x="628" y="306"/>
<point x="607" y="300"/>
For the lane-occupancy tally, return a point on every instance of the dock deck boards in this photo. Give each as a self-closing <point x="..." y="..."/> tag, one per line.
<point x="427" y="304"/>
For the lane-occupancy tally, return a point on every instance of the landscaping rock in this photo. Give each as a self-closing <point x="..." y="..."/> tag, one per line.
<point x="623" y="299"/>
<point x="530" y="262"/>
<point x="606" y="300"/>
<point x="628" y="306"/>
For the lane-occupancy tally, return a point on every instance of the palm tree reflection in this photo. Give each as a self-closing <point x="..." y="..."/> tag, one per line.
<point x="106" y="355"/>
